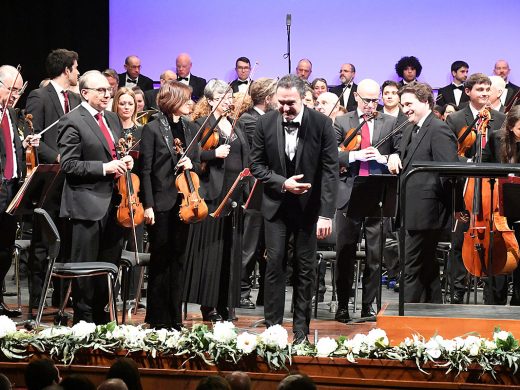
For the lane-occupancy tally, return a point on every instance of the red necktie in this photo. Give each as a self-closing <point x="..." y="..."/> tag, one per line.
<point x="106" y="133"/>
<point x="364" y="166"/>
<point x="66" y="105"/>
<point x="8" y="142"/>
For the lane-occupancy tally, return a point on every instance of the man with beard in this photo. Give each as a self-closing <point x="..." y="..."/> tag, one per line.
<point x="346" y="75"/>
<point x="502" y="69"/>
<point x="454" y="93"/>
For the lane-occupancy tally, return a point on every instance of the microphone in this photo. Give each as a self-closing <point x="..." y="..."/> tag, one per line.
<point x="288" y="20"/>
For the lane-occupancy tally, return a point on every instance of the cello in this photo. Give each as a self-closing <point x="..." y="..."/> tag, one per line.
<point x="490" y="246"/>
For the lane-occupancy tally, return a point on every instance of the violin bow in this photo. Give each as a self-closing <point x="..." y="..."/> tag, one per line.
<point x="341" y="95"/>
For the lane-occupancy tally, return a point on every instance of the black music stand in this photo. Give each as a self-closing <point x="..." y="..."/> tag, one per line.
<point x="42" y="189"/>
<point x="374" y="196"/>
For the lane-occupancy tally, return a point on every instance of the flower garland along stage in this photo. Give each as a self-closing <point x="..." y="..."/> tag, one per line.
<point x="225" y="343"/>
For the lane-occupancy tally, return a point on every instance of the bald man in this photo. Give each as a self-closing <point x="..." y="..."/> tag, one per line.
<point x="368" y="160"/>
<point x="150" y="97"/>
<point x="132" y="76"/>
<point x="327" y="103"/>
<point x="347" y="72"/>
<point x="502" y="69"/>
<point x="183" y="65"/>
<point x="498" y="88"/>
<point x="304" y="69"/>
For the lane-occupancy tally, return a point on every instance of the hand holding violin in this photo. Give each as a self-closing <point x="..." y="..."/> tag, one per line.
<point x="185" y="163"/>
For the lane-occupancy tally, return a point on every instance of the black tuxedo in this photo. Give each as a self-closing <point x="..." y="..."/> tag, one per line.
<point x="427" y="208"/>
<point x="348" y="229"/>
<point x="168" y="236"/>
<point x="88" y="201"/>
<point x="235" y="84"/>
<point x="512" y="89"/>
<point x="150" y="99"/>
<point x="464" y="117"/>
<point x="143" y="82"/>
<point x="197" y="85"/>
<point x="286" y="213"/>
<point x="446" y="95"/>
<point x="351" y="103"/>
<point x="45" y="107"/>
<point x="8" y="189"/>
<point x="247" y="123"/>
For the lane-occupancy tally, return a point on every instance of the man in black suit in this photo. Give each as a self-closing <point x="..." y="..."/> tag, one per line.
<point x="243" y="69"/>
<point x="12" y="169"/>
<point x="47" y="105"/>
<point x="454" y="93"/>
<point x="133" y="77"/>
<point x="428" y="201"/>
<point x="291" y="145"/>
<point x="502" y="69"/>
<point x="86" y="140"/>
<point x="408" y="69"/>
<point x="253" y="246"/>
<point x="367" y="160"/>
<point x="478" y="89"/>
<point x="150" y="97"/>
<point x="183" y="66"/>
<point x="346" y="75"/>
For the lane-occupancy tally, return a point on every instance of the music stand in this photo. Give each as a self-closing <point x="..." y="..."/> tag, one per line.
<point x="374" y="196"/>
<point x="41" y="189"/>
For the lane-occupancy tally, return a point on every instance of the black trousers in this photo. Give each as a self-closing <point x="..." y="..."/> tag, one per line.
<point x="253" y="247"/>
<point x="457" y="271"/>
<point x="277" y="232"/>
<point x="94" y="241"/>
<point x="421" y="269"/>
<point x="348" y="232"/>
<point x="168" y="238"/>
<point x="8" y="229"/>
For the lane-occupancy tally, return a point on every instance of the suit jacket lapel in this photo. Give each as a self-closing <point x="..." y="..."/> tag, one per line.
<point x="302" y="131"/>
<point x="468" y="115"/>
<point x="53" y="95"/>
<point x="422" y="132"/>
<point x="94" y="127"/>
<point x="18" y="148"/>
<point x="280" y="137"/>
<point x="378" y="124"/>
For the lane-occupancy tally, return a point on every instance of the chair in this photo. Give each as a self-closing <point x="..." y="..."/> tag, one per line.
<point x="128" y="262"/>
<point x="326" y="252"/>
<point x="71" y="270"/>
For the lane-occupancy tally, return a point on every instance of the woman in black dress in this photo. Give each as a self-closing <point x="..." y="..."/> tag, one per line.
<point x="168" y="235"/>
<point x="214" y="251"/>
<point x="503" y="147"/>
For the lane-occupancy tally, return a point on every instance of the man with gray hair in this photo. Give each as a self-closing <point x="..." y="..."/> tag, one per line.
<point x="498" y="88"/>
<point x="150" y="97"/>
<point x="183" y="66"/>
<point x="132" y="76"/>
<point x="86" y="140"/>
<point x="502" y="69"/>
<point x="295" y="156"/>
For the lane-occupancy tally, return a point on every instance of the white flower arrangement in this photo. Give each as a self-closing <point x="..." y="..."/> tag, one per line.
<point x="224" y="343"/>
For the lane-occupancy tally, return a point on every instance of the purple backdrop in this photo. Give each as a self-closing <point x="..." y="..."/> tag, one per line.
<point x="372" y="35"/>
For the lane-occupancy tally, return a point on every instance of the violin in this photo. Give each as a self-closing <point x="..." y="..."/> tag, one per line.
<point x="210" y="137"/>
<point x="490" y="246"/>
<point x="31" y="156"/>
<point x="352" y="139"/>
<point x="193" y="208"/>
<point x="468" y="134"/>
<point x="130" y="211"/>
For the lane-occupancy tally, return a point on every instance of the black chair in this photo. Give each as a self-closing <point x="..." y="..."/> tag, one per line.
<point x="20" y="246"/>
<point x="71" y="270"/>
<point x="327" y="253"/>
<point x="129" y="262"/>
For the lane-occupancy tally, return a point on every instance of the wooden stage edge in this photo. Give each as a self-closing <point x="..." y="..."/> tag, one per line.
<point x="337" y="373"/>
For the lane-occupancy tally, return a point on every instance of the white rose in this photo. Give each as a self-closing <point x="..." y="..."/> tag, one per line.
<point x="224" y="332"/>
<point x="502" y="335"/>
<point x="434" y="352"/>
<point x="275" y="336"/>
<point x="490" y="344"/>
<point x="83" y="329"/>
<point x="172" y="341"/>
<point x="7" y="326"/>
<point x="326" y="346"/>
<point x="449" y="345"/>
<point x="377" y="336"/>
<point x="474" y="349"/>
<point x="470" y="341"/>
<point x="459" y="341"/>
<point x="161" y="335"/>
<point x="247" y="342"/>
<point x="58" y="331"/>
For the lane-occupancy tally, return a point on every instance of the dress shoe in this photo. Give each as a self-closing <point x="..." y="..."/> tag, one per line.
<point x="245" y="303"/>
<point x="396" y="287"/>
<point x="367" y="311"/>
<point x="342" y="315"/>
<point x="211" y="316"/>
<point x="300" y="338"/>
<point x="11" y="313"/>
<point x="458" y="297"/>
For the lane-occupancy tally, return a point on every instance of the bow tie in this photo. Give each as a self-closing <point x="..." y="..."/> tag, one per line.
<point x="290" y="126"/>
<point x="240" y="82"/>
<point x="182" y="78"/>
<point x="460" y="87"/>
<point x="131" y="81"/>
<point x="348" y="86"/>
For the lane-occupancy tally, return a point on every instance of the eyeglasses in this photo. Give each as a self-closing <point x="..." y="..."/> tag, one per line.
<point x="102" y="91"/>
<point x="14" y="91"/>
<point x="368" y="101"/>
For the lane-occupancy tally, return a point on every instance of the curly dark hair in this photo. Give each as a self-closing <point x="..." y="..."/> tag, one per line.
<point x="405" y="62"/>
